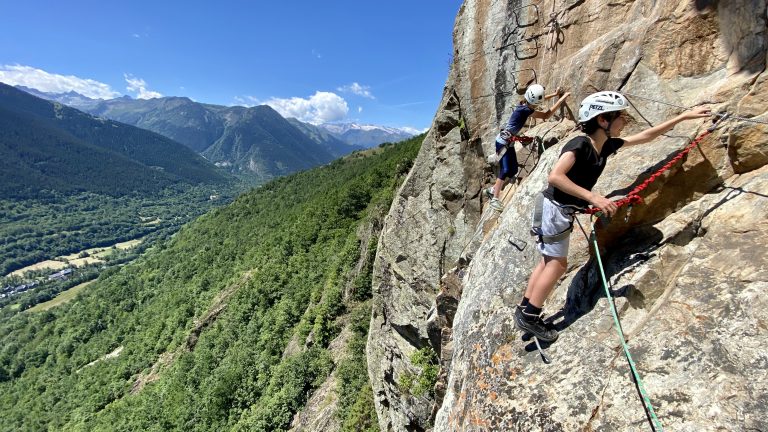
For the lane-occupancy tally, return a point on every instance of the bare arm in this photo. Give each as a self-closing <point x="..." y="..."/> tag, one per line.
<point x="548" y="113"/>
<point x="559" y="179"/>
<point x="652" y="133"/>
<point x="558" y="92"/>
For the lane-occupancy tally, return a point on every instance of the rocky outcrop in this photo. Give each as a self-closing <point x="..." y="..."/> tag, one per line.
<point x="688" y="267"/>
<point x="439" y="204"/>
<point x="321" y="411"/>
<point x="689" y="292"/>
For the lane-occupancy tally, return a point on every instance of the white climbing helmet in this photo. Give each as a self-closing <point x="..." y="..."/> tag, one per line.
<point x="601" y="102"/>
<point x="535" y="94"/>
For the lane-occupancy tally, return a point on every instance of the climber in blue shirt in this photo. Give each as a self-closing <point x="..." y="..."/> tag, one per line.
<point x="508" y="165"/>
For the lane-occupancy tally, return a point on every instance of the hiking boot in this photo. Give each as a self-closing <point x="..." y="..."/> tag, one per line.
<point x="549" y="321"/>
<point x="496" y="204"/>
<point x="534" y="324"/>
<point x="489" y="192"/>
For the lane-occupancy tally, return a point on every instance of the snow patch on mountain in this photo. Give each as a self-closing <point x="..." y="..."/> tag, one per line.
<point x="368" y="135"/>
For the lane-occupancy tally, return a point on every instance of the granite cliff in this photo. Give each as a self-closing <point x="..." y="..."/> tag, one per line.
<point x="687" y="267"/>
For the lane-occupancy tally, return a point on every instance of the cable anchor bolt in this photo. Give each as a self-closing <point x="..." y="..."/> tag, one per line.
<point x="716" y="124"/>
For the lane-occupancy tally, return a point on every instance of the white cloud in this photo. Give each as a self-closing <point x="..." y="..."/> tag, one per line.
<point x="359" y="109"/>
<point x="246" y="101"/>
<point x="53" y="83"/>
<point x="413" y="131"/>
<point x="355" y="88"/>
<point x="322" y="107"/>
<point x="139" y="86"/>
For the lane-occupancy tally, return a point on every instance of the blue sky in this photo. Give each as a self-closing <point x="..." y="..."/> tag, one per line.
<point x="371" y="62"/>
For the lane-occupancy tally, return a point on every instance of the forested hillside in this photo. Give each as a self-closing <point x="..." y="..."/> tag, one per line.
<point x="259" y="142"/>
<point x="71" y="181"/>
<point x="226" y="326"/>
<point x="45" y="145"/>
<point x="54" y="224"/>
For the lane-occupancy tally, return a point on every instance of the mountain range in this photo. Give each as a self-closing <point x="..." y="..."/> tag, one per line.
<point x="47" y="145"/>
<point x="325" y="138"/>
<point x="255" y="141"/>
<point x="366" y="135"/>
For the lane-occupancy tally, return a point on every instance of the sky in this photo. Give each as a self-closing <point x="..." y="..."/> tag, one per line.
<point x="382" y="63"/>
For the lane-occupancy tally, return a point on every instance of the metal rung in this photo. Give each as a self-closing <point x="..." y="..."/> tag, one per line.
<point x="526" y="52"/>
<point x="516" y="13"/>
<point x="517" y="82"/>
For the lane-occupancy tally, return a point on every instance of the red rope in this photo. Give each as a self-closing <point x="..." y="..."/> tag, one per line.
<point x="632" y="197"/>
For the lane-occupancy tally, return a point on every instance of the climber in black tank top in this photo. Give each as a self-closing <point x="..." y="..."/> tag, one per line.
<point x="582" y="160"/>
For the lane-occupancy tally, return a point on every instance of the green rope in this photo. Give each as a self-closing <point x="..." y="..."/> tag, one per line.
<point x="655" y="422"/>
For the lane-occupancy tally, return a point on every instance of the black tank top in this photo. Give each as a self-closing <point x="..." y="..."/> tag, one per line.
<point x="587" y="168"/>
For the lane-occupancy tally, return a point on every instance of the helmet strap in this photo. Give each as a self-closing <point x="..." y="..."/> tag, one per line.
<point x="607" y="129"/>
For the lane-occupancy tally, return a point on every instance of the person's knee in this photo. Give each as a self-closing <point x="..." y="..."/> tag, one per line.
<point x="556" y="263"/>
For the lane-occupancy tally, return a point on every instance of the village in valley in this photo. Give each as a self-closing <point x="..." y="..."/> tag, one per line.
<point x="53" y="275"/>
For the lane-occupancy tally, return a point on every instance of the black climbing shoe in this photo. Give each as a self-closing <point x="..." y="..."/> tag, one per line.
<point x="535" y="325"/>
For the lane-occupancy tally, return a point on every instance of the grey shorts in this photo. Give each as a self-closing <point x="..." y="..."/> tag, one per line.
<point x="554" y="220"/>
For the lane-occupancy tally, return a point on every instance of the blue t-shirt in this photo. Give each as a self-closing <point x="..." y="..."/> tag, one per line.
<point x="517" y="120"/>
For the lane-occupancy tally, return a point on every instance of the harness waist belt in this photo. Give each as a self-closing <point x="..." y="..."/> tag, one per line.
<point x="538" y="210"/>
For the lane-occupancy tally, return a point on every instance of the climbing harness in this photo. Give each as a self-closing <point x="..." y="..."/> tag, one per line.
<point x="510" y="138"/>
<point x="633" y="197"/>
<point x="510" y="142"/>
<point x="538" y="209"/>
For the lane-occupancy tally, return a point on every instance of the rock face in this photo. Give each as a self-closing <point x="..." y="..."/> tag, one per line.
<point x="438" y="205"/>
<point x="687" y="268"/>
